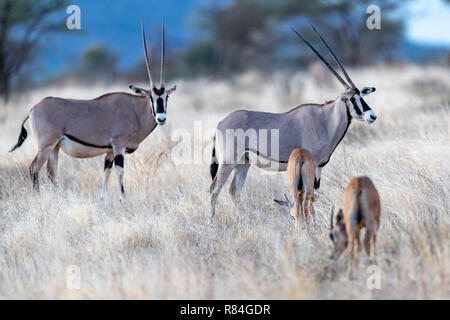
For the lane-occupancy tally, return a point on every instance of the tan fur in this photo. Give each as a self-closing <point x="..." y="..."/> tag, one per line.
<point x="301" y="168"/>
<point x="362" y="209"/>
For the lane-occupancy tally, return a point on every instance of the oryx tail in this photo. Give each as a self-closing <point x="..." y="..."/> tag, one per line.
<point x="214" y="165"/>
<point x="23" y="135"/>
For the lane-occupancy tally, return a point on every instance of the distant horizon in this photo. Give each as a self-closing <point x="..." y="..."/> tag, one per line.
<point x="426" y="25"/>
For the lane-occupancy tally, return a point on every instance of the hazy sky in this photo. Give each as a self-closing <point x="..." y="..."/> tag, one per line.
<point x="428" y="22"/>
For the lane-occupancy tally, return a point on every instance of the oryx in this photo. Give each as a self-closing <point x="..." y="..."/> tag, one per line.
<point x="267" y="139"/>
<point x="112" y="124"/>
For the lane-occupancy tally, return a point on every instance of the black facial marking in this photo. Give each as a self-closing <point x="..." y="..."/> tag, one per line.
<point x="108" y="164"/>
<point x="159" y="92"/>
<point x="316" y="184"/>
<point x="364" y="105"/>
<point x="159" y="105"/>
<point x="355" y="106"/>
<point x="118" y="160"/>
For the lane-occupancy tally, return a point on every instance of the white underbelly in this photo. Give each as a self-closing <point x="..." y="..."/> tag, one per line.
<point x="79" y="150"/>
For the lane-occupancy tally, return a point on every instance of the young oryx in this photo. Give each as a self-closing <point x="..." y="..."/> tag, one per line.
<point x="361" y="210"/>
<point x="316" y="127"/>
<point x="301" y="174"/>
<point x="115" y="124"/>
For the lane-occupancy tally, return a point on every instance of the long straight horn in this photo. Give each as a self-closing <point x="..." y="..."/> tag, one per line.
<point x="323" y="60"/>
<point x="335" y="58"/>
<point x="146" y="57"/>
<point x="163" y="55"/>
<point x="332" y="218"/>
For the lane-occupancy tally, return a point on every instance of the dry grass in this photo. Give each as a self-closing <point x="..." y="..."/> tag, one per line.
<point x="157" y="244"/>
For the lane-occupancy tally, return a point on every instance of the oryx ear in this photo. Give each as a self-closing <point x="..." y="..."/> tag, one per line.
<point x="367" y="90"/>
<point x="171" y="90"/>
<point x="139" y="90"/>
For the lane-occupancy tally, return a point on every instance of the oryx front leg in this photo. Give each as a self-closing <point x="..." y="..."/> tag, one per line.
<point x="119" y="156"/>
<point x="109" y="160"/>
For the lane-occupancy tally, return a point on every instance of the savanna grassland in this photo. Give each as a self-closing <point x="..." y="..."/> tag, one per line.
<point x="157" y="244"/>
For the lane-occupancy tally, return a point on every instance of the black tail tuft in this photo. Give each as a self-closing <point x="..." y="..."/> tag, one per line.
<point x="214" y="165"/>
<point x="22" y="137"/>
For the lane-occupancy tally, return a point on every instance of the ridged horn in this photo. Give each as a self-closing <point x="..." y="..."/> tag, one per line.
<point x="335" y="58"/>
<point x="147" y="63"/>
<point x="163" y="55"/>
<point x="323" y="60"/>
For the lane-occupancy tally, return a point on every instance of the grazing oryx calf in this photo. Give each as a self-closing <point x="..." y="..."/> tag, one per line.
<point x="113" y="124"/>
<point x="301" y="174"/>
<point x="361" y="210"/>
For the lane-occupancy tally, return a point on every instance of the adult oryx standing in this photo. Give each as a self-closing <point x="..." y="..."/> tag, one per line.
<point x="316" y="127"/>
<point x="115" y="124"/>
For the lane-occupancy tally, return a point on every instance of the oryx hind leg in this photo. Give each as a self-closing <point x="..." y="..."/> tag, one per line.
<point x="222" y="175"/>
<point x="240" y="174"/>
<point x="52" y="164"/>
<point x="37" y="164"/>
<point x="119" y="157"/>
<point x="109" y="161"/>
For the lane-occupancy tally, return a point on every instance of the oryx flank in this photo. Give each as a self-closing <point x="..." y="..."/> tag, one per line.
<point x="113" y="124"/>
<point x="316" y="127"/>
<point x="301" y="174"/>
<point x="362" y="209"/>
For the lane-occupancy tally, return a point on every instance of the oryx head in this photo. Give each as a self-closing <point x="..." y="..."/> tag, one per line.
<point x="352" y="96"/>
<point x="158" y="96"/>
<point x="338" y="234"/>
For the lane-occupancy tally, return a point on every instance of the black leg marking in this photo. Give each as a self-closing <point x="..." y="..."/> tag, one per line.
<point x="316" y="184"/>
<point x="122" y="190"/>
<point x="118" y="160"/>
<point x="108" y="164"/>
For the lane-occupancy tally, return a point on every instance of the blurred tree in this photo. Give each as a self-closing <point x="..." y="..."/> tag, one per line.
<point x="343" y="24"/>
<point x="22" y="24"/>
<point x="239" y="36"/>
<point x="98" y="64"/>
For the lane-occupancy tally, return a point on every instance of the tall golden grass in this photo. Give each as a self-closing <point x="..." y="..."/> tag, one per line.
<point x="158" y="245"/>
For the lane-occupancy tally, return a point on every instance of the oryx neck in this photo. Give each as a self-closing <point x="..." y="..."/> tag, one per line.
<point x="337" y="125"/>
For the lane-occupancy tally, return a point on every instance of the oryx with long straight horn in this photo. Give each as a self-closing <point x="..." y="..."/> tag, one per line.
<point x="267" y="139"/>
<point x="112" y="124"/>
